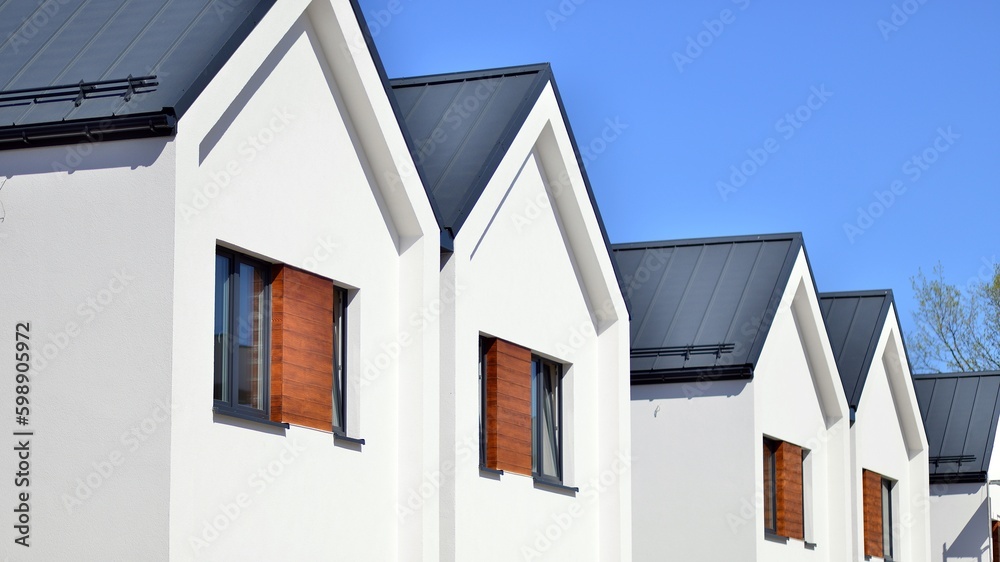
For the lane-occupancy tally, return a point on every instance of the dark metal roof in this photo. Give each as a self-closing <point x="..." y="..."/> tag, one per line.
<point x="70" y="69"/>
<point x="461" y="126"/>
<point x="703" y="308"/>
<point x="960" y="412"/>
<point x="854" y="322"/>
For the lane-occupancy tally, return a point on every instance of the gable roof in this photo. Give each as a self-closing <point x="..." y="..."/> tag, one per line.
<point x="703" y="308"/>
<point x="461" y="125"/>
<point x="78" y="70"/>
<point x="854" y="322"/>
<point x="960" y="412"/>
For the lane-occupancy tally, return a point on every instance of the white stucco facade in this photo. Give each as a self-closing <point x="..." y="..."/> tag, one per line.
<point x="698" y="471"/>
<point x="888" y="438"/>
<point x="530" y="266"/>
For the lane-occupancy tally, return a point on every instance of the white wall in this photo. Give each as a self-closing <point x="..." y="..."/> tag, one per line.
<point x="523" y="270"/>
<point x="283" y="172"/>
<point x="796" y="403"/>
<point x="889" y="440"/>
<point x="960" y="523"/>
<point x="87" y="260"/>
<point x="696" y="490"/>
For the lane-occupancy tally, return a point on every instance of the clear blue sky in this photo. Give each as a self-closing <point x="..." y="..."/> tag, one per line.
<point x="895" y="74"/>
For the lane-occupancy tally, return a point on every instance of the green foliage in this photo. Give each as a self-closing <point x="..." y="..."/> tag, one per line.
<point x="957" y="329"/>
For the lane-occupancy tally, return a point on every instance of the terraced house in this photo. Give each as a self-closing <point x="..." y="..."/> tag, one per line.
<point x="269" y="326"/>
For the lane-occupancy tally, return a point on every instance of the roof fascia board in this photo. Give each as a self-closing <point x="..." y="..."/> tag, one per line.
<point x="223" y="56"/>
<point x="781" y="286"/>
<point x="449" y="77"/>
<point x="660" y="244"/>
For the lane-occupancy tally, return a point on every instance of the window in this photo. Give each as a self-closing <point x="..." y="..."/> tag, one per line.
<point x="770" y="485"/>
<point x="242" y="333"/>
<point x="280" y="344"/>
<point x="878" y="518"/>
<point x="546" y="419"/>
<point x="339" y="360"/>
<point x="520" y="411"/>
<point x="784" y="500"/>
<point x="886" y="518"/>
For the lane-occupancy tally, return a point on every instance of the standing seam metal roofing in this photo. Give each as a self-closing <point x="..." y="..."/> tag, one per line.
<point x="960" y="412"/>
<point x="68" y="69"/>
<point x="854" y="321"/>
<point x="702" y="308"/>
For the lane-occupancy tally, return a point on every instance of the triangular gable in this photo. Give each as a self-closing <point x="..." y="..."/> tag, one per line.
<point x="703" y="308"/>
<point x="960" y="412"/>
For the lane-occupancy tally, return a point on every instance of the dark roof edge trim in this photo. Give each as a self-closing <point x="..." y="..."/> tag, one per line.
<point x="701" y="374"/>
<point x="959" y="478"/>
<point x="652" y="245"/>
<point x="222" y="57"/>
<point x="590" y="193"/>
<point x="797" y="244"/>
<point x="143" y="125"/>
<point x="969" y="374"/>
<point x="411" y="148"/>
<point x="448" y="77"/>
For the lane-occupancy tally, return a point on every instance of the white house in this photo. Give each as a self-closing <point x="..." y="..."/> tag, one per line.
<point x="740" y="425"/>
<point x="318" y="396"/>
<point x="960" y="413"/>
<point x="534" y="328"/>
<point x="889" y="458"/>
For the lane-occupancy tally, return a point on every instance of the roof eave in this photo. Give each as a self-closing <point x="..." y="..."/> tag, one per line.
<point x="98" y="129"/>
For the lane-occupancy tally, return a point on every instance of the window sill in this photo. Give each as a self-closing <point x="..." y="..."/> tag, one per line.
<point x="775" y="538"/>
<point x="350" y="440"/>
<point x="810" y="545"/>
<point x="546" y="484"/>
<point x="234" y="413"/>
<point x="485" y="470"/>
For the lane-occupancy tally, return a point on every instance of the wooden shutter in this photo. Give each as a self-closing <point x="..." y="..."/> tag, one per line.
<point x="302" y="348"/>
<point x="508" y="407"/>
<point x="788" y="476"/>
<point x="871" y="483"/>
<point x="996" y="540"/>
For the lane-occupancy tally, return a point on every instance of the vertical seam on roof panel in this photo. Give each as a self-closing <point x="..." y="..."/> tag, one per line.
<point x="843" y="350"/>
<point x="416" y="102"/>
<point x="715" y="294"/>
<point x="991" y="432"/>
<point x="684" y="294"/>
<point x="465" y="139"/>
<point x="97" y="34"/>
<point x="795" y="245"/>
<point x="38" y="53"/>
<point x="743" y="295"/>
<point x="656" y="292"/>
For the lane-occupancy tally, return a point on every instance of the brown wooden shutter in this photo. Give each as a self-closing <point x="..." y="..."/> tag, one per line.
<point x="302" y="348"/>
<point x="871" y="483"/>
<point x="788" y="468"/>
<point x="996" y="540"/>
<point x="508" y="407"/>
